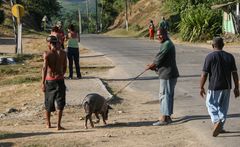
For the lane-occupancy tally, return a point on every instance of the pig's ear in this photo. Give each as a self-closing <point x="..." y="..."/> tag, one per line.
<point x="109" y="107"/>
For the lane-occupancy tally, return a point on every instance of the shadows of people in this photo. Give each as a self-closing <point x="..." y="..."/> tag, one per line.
<point x="7" y="41"/>
<point x="128" y="124"/>
<point x="176" y="121"/>
<point x="148" y="78"/>
<point x="23" y="135"/>
<point x="188" y="118"/>
<point x="6" y="144"/>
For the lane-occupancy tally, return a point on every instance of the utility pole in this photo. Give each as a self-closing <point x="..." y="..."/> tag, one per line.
<point x="130" y="7"/>
<point x="126" y="13"/>
<point x="80" y="21"/>
<point x="237" y="7"/>
<point x="87" y="9"/>
<point x="96" y="16"/>
<point x="101" y="25"/>
<point x="14" y="27"/>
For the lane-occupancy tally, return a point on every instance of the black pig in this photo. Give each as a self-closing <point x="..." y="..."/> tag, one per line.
<point x="95" y="103"/>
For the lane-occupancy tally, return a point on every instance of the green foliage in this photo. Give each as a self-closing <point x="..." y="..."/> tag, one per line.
<point x="39" y="8"/>
<point x="2" y="16"/>
<point x="110" y="12"/>
<point x="67" y="18"/>
<point x="194" y="19"/>
<point x="177" y="6"/>
<point x="199" y="23"/>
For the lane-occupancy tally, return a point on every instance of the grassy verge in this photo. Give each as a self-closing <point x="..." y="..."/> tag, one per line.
<point x="27" y="70"/>
<point x="122" y="33"/>
<point x="4" y="134"/>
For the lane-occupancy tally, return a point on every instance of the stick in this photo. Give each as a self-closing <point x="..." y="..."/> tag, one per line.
<point x="128" y="83"/>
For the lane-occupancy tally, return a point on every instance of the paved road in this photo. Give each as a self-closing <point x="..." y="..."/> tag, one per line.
<point x="131" y="55"/>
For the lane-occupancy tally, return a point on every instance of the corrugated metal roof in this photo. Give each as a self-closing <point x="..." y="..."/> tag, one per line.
<point x="220" y="6"/>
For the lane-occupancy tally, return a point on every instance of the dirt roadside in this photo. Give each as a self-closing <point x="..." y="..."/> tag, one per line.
<point x="129" y="124"/>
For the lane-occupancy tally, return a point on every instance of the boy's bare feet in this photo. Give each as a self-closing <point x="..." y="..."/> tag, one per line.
<point x="48" y="126"/>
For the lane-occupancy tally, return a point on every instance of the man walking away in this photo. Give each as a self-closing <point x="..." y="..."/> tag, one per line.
<point x="53" y="86"/>
<point x="165" y="64"/>
<point x="220" y="66"/>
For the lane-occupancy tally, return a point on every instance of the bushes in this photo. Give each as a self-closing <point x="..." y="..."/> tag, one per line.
<point x="39" y="8"/>
<point x="199" y="23"/>
<point x="2" y="16"/>
<point x="194" y="19"/>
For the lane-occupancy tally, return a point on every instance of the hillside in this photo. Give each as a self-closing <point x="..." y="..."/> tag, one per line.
<point x="142" y="12"/>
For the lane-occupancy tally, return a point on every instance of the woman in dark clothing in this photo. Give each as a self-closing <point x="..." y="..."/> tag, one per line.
<point x="73" y="51"/>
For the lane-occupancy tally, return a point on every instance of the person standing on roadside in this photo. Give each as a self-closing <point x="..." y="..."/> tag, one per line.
<point x="61" y="34"/>
<point x="55" y="32"/>
<point x="166" y="67"/>
<point x="151" y="29"/>
<point x="53" y="86"/>
<point x="164" y="24"/>
<point x="220" y="66"/>
<point x="73" y="51"/>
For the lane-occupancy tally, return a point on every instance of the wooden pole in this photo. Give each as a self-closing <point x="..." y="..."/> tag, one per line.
<point x="126" y="13"/>
<point x="14" y="27"/>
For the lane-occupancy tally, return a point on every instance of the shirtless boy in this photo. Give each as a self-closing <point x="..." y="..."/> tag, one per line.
<point x="53" y="86"/>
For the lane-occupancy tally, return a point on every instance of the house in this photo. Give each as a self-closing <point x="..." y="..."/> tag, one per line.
<point x="231" y="17"/>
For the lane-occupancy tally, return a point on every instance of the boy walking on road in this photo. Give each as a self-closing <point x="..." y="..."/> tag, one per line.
<point x="220" y="66"/>
<point x="53" y="86"/>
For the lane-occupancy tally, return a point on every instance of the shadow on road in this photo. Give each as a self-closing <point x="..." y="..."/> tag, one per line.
<point x="187" y="118"/>
<point x="148" y="78"/>
<point x="128" y="124"/>
<point x="7" y="41"/>
<point x="91" y="56"/>
<point x="130" y="79"/>
<point x="230" y="134"/>
<point x="22" y="135"/>
<point x="6" y="144"/>
<point x="176" y="121"/>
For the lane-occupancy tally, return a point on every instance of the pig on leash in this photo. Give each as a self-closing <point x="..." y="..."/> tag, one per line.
<point x="97" y="104"/>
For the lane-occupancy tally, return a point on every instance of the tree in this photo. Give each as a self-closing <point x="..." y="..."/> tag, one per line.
<point x="39" y="8"/>
<point x="2" y="15"/>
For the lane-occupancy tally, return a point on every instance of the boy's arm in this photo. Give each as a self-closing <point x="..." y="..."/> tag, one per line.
<point x="44" y="71"/>
<point x="65" y="63"/>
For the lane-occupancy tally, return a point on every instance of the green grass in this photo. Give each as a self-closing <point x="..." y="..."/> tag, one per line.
<point x="20" y="80"/>
<point x="4" y="134"/>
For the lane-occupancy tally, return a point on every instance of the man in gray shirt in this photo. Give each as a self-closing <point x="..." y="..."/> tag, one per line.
<point x="166" y="67"/>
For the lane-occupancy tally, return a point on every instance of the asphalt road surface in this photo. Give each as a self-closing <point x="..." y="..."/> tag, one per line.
<point x="132" y="55"/>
